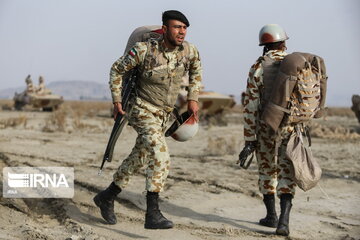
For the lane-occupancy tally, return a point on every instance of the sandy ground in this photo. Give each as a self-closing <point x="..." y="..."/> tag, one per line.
<point x="207" y="196"/>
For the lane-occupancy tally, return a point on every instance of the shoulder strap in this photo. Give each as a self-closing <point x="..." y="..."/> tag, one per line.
<point x="186" y="51"/>
<point x="270" y="72"/>
<point x="150" y="44"/>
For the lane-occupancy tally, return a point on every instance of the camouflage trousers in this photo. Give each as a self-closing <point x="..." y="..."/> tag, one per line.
<point x="275" y="174"/>
<point x="150" y="148"/>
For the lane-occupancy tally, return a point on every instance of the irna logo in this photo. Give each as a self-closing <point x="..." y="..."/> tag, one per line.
<point x="17" y="180"/>
<point x="38" y="182"/>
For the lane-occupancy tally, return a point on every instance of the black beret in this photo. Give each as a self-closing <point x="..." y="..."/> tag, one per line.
<point x="174" y="15"/>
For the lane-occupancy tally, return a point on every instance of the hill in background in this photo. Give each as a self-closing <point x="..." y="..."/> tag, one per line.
<point x="70" y="90"/>
<point x="87" y="90"/>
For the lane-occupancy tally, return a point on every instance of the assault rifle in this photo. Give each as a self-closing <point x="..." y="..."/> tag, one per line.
<point x="128" y="93"/>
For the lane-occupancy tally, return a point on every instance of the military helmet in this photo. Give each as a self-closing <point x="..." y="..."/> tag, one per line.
<point x="184" y="127"/>
<point x="271" y="33"/>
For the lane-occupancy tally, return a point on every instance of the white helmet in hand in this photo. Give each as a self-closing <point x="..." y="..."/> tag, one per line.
<point x="184" y="127"/>
<point x="271" y="33"/>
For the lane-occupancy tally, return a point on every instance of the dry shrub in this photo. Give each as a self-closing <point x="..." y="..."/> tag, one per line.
<point x="13" y="122"/>
<point x="106" y="123"/>
<point x="97" y="107"/>
<point x="333" y="132"/>
<point x="214" y="120"/>
<point x="233" y="115"/>
<point x="76" y="112"/>
<point x="6" y="104"/>
<point x="88" y="108"/>
<point x="77" y="115"/>
<point x="78" y="124"/>
<point x="219" y="146"/>
<point x="6" y="107"/>
<point x="56" y="121"/>
<point x="340" y="111"/>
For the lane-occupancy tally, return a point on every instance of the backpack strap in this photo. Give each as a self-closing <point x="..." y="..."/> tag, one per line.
<point x="150" y="44"/>
<point x="186" y="47"/>
<point x="279" y="107"/>
<point x="186" y="54"/>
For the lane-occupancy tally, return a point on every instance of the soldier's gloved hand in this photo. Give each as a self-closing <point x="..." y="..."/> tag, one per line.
<point x="250" y="146"/>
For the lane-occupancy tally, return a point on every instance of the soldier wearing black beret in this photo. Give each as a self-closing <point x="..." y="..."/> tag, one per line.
<point x="174" y="15"/>
<point x="162" y="63"/>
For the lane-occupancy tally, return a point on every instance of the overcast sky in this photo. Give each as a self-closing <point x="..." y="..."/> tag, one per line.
<point x="80" y="39"/>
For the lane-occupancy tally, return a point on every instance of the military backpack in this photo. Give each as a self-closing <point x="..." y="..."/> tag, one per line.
<point x="298" y="91"/>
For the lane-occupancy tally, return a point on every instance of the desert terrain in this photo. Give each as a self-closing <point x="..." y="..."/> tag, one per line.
<point x="207" y="195"/>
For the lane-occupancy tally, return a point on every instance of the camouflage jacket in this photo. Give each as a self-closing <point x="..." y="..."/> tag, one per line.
<point x="253" y="97"/>
<point x="160" y="72"/>
<point x="30" y="88"/>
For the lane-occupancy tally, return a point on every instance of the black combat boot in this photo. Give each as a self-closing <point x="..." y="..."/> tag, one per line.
<point x="285" y="204"/>
<point x="271" y="219"/>
<point x="153" y="218"/>
<point x="105" y="201"/>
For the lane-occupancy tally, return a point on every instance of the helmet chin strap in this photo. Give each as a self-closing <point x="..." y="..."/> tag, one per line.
<point x="177" y="116"/>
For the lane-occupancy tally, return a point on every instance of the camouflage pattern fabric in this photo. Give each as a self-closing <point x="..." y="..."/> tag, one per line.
<point x="305" y="100"/>
<point x="30" y="87"/>
<point x="161" y="72"/>
<point x="275" y="175"/>
<point x="150" y="148"/>
<point x="252" y="99"/>
<point x="285" y="172"/>
<point x="41" y="88"/>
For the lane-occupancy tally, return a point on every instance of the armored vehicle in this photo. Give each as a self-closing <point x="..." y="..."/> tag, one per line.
<point x="215" y="103"/>
<point x="44" y="100"/>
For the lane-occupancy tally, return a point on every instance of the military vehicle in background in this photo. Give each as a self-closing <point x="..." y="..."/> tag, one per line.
<point x="37" y="97"/>
<point x="210" y="103"/>
<point x="356" y="106"/>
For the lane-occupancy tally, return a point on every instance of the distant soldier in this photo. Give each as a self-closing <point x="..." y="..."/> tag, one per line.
<point x="356" y="106"/>
<point x="161" y="63"/>
<point x="29" y="85"/>
<point x="243" y="94"/>
<point x="41" y="87"/>
<point x="274" y="177"/>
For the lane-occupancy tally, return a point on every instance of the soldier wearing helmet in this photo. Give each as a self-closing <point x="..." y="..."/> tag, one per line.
<point x="274" y="176"/>
<point x="161" y="64"/>
<point x="29" y="85"/>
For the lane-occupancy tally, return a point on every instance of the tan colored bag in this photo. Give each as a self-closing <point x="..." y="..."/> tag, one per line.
<point x="307" y="171"/>
<point x="298" y="92"/>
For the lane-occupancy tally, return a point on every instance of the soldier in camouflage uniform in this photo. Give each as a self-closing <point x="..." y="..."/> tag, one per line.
<point x="161" y="64"/>
<point x="41" y="86"/>
<point x="275" y="173"/>
<point x="29" y="84"/>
